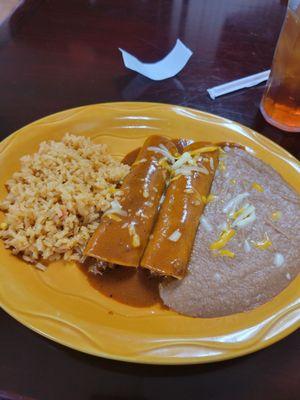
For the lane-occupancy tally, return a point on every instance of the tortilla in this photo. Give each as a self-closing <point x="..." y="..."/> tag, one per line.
<point x="124" y="230"/>
<point x="171" y="241"/>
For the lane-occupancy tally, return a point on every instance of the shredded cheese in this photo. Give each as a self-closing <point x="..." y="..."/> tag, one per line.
<point x="135" y="237"/>
<point x="136" y="241"/>
<point x="175" y="178"/>
<point x="185" y="164"/>
<point x="244" y="216"/>
<point x="211" y="197"/>
<point x="164" y="164"/>
<point x="207" y="149"/>
<point x="3" y="226"/>
<point x="239" y="212"/>
<point x="263" y="244"/>
<point x="224" y="238"/>
<point x="226" y="253"/>
<point x="257" y="187"/>
<point x="246" y="221"/>
<point x="276" y="215"/>
<point x="131" y="229"/>
<point x="185" y="158"/>
<point x="222" y="166"/>
<point x="114" y="217"/>
<point x="208" y="199"/>
<point x="175" y="236"/>
<point x="232" y="181"/>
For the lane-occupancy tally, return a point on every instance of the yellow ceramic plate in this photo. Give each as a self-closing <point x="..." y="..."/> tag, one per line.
<point x="61" y="304"/>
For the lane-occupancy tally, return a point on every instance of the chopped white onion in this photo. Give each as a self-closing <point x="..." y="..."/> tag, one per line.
<point x="185" y="158"/>
<point x="248" y="210"/>
<point x="278" y="260"/>
<point x="142" y="160"/>
<point x="187" y="170"/>
<point x="116" y="211"/>
<point x="246" y="221"/>
<point x="288" y="276"/>
<point x="164" y="151"/>
<point x="233" y="203"/>
<point x="206" y="224"/>
<point x="223" y="226"/>
<point x="162" y="146"/>
<point x="131" y="228"/>
<point x="247" y="246"/>
<point x="115" y="208"/>
<point x="211" y="163"/>
<point x="175" y="236"/>
<point x="203" y="170"/>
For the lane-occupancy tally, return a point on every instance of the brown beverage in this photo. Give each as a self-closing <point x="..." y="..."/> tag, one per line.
<point x="281" y="101"/>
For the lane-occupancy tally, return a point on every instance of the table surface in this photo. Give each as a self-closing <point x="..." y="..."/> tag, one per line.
<point x="58" y="54"/>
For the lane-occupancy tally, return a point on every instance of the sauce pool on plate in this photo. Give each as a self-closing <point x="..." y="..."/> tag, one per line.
<point x="133" y="287"/>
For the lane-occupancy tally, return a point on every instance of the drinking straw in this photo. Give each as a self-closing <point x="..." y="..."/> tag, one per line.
<point x="238" y="84"/>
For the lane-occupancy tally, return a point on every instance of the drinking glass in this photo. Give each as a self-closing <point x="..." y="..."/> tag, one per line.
<point x="280" y="104"/>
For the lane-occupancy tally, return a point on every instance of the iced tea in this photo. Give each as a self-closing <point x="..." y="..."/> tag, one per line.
<point x="281" y="101"/>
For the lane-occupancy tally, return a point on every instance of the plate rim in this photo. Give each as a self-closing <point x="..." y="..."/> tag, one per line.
<point x="161" y="360"/>
<point x="265" y="139"/>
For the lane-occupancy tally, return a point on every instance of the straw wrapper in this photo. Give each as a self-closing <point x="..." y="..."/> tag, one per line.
<point x="238" y="84"/>
<point x="169" y="66"/>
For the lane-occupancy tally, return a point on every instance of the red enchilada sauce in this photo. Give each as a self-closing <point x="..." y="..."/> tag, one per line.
<point x="132" y="286"/>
